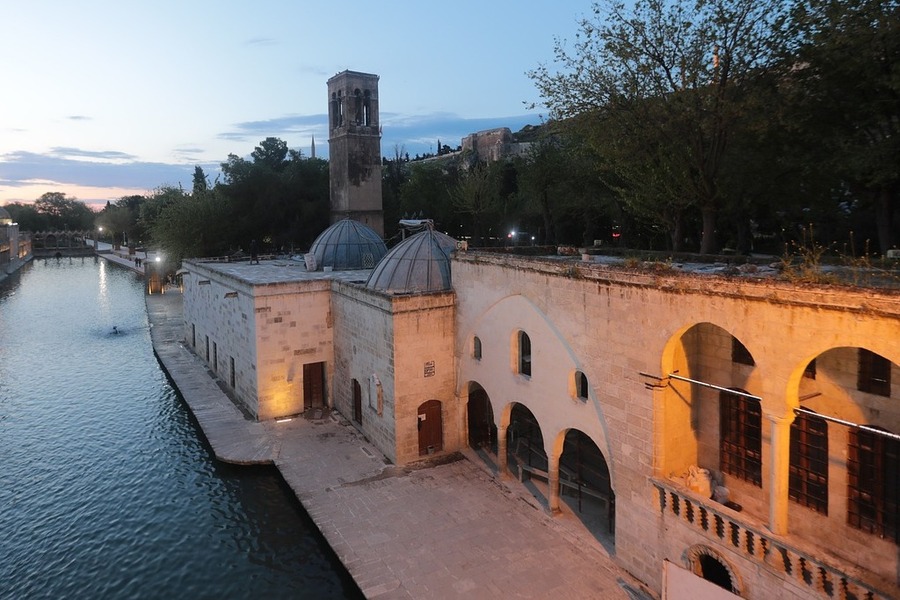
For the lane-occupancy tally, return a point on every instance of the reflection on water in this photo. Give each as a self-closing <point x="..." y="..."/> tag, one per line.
<point x="106" y="488"/>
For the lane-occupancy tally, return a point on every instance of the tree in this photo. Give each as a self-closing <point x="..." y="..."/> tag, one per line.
<point x="192" y="225"/>
<point x="476" y="195"/>
<point x="658" y="89"/>
<point x="62" y="212"/>
<point x="200" y="184"/>
<point x="27" y="216"/>
<point x="843" y="76"/>
<point x="279" y="198"/>
<point x="271" y="152"/>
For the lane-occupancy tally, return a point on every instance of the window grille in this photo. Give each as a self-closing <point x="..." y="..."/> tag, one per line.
<point x="808" y="480"/>
<point x="873" y="469"/>
<point x="874" y="376"/>
<point x="740" y="427"/>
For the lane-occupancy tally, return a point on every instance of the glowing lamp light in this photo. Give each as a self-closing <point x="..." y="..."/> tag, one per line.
<point x="284" y="420"/>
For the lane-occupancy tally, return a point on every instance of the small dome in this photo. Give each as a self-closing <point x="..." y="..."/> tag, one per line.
<point x="420" y="263"/>
<point x="5" y="218"/>
<point x="348" y="244"/>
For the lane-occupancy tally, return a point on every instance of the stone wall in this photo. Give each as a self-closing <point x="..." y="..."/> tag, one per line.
<point x="385" y="343"/>
<point x="614" y="325"/>
<point x="364" y="351"/>
<point x="228" y="323"/>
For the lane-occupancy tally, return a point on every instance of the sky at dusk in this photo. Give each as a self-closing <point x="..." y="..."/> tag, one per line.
<point x="105" y="99"/>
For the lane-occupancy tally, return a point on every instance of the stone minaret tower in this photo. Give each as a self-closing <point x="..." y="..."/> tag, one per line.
<point x="354" y="140"/>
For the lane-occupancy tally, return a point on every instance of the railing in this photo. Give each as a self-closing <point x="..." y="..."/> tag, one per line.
<point x="722" y="525"/>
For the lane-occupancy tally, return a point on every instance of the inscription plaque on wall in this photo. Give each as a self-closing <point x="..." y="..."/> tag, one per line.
<point x="429" y="368"/>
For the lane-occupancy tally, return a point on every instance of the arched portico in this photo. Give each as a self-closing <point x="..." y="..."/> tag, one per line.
<point x="579" y="477"/>
<point x="482" y="429"/>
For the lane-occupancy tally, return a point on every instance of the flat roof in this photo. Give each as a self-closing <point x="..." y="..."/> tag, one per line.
<point x="276" y="271"/>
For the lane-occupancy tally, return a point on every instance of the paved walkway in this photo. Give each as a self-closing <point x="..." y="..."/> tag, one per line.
<point x="443" y="530"/>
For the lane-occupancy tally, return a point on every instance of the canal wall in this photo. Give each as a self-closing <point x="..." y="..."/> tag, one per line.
<point x="14" y="265"/>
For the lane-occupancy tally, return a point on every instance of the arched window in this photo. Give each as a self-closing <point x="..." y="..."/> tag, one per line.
<point x="874" y="483"/>
<point x="524" y="354"/>
<point x="367" y="108"/>
<point x="581" y="385"/>
<point x="808" y="482"/>
<point x="740" y="437"/>
<point x="476" y="348"/>
<point x="358" y="107"/>
<point x="340" y="109"/>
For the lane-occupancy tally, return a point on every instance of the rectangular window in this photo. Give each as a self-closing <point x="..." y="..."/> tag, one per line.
<point x="740" y="427"/>
<point x="808" y="480"/>
<point x="873" y="486"/>
<point x="193" y="336"/>
<point x="215" y="361"/>
<point x="207" y="348"/>
<point x="874" y="376"/>
<point x="231" y="377"/>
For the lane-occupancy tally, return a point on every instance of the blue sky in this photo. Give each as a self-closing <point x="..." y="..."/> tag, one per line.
<point x="103" y="99"/>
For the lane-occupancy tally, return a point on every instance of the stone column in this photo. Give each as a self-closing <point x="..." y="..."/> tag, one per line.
<point x="502" y="469"/>
<point x="780" y="473"/>
<point x="553" y="482"/>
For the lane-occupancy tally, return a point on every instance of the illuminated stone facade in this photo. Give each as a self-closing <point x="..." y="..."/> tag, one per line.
<point x="611" y="357"/>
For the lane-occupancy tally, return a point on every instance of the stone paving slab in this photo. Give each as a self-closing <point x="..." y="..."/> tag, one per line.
<point x="441" y="529"/>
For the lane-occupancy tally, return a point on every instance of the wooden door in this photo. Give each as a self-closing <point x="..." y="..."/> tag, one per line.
<point x="313" y="385"/>
<point x="431" y="429"/>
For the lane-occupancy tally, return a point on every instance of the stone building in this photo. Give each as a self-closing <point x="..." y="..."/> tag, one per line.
<point x="736" y="429"/>
<point x="354" y="146"/>
<point x="15" y="246"/>
<point x="615" y="385"/>
<point x="492" y="145"/>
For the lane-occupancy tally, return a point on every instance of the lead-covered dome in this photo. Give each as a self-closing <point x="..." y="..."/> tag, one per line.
<point x="348" y="244"/>
<point x="421" y="263"/>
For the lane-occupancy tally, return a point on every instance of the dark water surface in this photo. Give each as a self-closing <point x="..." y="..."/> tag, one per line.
<point x="107" y="489"/>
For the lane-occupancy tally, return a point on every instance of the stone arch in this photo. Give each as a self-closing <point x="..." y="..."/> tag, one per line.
<point x="856" y="494"/>
<point x="689" y="423"/>
<point x="546" y="393"/>
<point x="525" y="441"/>
<point x="699" y="556"/>
<point x="481" y="427"/>
<point x="580" y="477"/>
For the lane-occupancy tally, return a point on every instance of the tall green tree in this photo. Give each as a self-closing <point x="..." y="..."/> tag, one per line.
<point x="192" y="225"/>
<point x="200" y="184"/>
<point x="658" y="88"/>
<point x="476" y="196"/>
<point x="63" y="212"/>
<point x="27" y="216"/>
<point x="279" y="197"/>
<point x="843" y="78"/>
